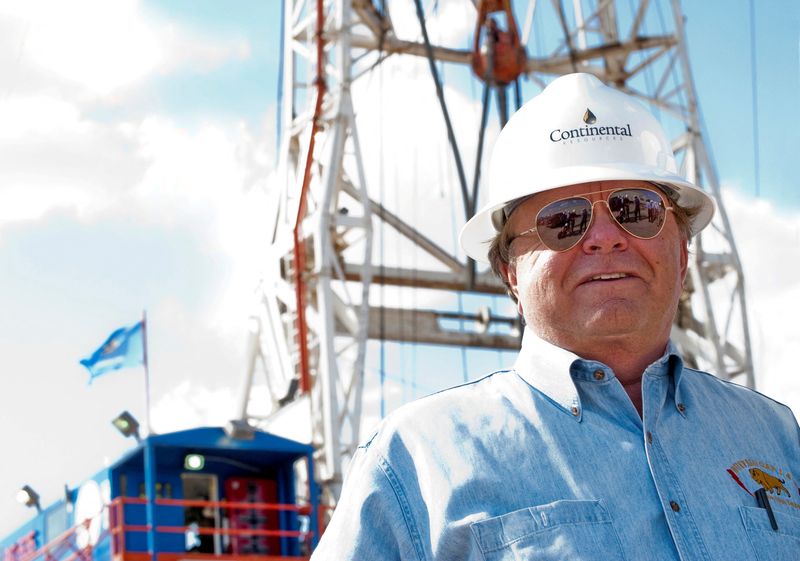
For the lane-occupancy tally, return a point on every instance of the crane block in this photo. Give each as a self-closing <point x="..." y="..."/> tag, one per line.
<point x="497" y="54"/>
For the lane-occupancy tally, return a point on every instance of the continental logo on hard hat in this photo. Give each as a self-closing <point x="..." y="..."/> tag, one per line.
<point x="588" y="132"/>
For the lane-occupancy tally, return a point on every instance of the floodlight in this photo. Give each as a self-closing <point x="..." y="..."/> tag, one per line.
<point x="68" y="498"/>
<point x="194" y="462"/>
<point x="29" y="497"/>
<point x="240" y="429"/>
<point x="127" y="425"/>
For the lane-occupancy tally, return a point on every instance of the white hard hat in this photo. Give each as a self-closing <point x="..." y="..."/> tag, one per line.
<point x="576" y="131"/>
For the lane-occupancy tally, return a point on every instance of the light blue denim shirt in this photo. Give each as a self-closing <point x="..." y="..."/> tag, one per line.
<point x="551" y="461"/>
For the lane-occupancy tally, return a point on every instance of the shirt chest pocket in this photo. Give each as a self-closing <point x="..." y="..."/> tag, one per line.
<point x="559" y="531"/>
<point x="769" y="544"/>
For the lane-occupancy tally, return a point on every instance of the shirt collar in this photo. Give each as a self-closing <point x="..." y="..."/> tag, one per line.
<point x="671" y="362"/>
<point x="551" y="369"/>
<point x="546" y="367"/>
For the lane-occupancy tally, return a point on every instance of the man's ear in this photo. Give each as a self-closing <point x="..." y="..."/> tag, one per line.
<point x="509" y="272"/>
<point x="684" y="260"/>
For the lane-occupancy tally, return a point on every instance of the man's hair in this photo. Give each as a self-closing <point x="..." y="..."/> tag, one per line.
<point x="500" y="248"/>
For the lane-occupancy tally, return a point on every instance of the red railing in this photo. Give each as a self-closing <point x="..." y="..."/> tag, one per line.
<point x="119" y="528"/>
<point x="66" y="547"/>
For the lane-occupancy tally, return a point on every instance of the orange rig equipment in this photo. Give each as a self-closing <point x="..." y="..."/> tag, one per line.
<point x="497" y="55"/>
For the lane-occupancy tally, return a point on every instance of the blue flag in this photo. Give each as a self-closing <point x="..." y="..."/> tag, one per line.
<point x="123" y="348"/>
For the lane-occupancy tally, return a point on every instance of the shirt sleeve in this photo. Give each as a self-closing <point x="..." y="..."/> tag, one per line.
<point x="369" y="520"/>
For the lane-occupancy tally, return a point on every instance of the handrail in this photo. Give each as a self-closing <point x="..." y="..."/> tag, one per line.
<point x="119" y="527"/>
<point x="300" y="509"/>
<point x="64" y="543"/>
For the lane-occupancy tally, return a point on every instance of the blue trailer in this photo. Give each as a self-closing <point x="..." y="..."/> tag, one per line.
<point x="195" y="494"/>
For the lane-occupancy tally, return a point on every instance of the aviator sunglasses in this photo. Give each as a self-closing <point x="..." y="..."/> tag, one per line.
<point x="563" y="223"/>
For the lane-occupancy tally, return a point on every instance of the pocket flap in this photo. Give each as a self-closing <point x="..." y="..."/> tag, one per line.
<point x="755" y="518"/>
<point x="499" y="531"/>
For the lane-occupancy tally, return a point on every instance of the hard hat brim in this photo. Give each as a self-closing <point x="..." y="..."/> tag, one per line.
<point x="477" y="234"/>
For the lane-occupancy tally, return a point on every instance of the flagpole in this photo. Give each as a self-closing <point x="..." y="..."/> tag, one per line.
<point x="146" y="372"/>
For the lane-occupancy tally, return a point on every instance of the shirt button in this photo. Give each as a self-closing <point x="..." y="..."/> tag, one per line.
<point x="675" y="506"/>
<point x="649" y="437"/>
<point x="575" y="411"/>
<point x="681" y="407"/>
<point x="599" y="374"/>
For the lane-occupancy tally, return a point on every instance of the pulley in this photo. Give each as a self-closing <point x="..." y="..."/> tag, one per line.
<point x="497" y="54"/>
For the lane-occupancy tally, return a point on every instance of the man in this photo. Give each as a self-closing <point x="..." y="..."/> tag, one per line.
<point x="600" y="443"/>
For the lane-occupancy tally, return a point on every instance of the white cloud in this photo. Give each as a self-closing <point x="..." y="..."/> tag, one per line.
<point x="189" y="405"/>
<point x="98" y="44"/>
<point x="187" y="169"/>
<point x="53" y="157"/>
<point x="103" y="47"/>
<point x="39" y="115"/>
<point x="32" y="202"/>
<point x="447" y="26"/>
<point x="768" y="241"/>
<point x="186" y="48"/>
<point x="210" y="183"/>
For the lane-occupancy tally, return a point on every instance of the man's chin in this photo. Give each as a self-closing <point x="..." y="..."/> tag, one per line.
<point x="612" y="318"/>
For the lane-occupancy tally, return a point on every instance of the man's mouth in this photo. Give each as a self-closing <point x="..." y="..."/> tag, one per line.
<point x="609" y="276"/>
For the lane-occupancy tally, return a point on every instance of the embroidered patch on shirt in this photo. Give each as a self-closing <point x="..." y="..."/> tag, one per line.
<point x="780" y="484"/>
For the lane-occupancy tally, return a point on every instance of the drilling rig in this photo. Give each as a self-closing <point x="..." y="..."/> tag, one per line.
<point x="322" y="297"/>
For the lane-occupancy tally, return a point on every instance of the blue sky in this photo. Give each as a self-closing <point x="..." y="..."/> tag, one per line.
<point x="719" y="40"/>
<point x="136" y="143"/>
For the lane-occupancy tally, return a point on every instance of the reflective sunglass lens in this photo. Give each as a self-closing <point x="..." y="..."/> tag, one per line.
<point x="641" y="212"/>
<point x="561" y="224"/>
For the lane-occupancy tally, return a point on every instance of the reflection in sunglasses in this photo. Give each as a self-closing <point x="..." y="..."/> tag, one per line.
<point x="563" y="223"/>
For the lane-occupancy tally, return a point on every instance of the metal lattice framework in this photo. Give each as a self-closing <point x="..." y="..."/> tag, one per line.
<point x="315" y="314"/>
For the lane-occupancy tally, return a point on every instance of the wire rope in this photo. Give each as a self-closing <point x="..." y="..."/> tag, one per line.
<point x="397" y="293"/>
<point x="415" y="268"/>
<point x="496" y="312"/>
<point x="382" y="266"/>
<point x="487" y="92"/>
<point x="440" y="95"/>
<point x="459" y="301"/>
<point x="754" y="72"/>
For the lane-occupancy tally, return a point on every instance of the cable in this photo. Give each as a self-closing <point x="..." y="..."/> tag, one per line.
<point x="754" y="72"/>
<point x="454" y="231"/>
<point x="487" y="91"/>
<point x="382" y="266"/>
<point x="440" y="95"/>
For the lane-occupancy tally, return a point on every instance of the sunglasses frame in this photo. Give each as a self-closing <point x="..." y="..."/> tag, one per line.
<point x="662" y="196"/>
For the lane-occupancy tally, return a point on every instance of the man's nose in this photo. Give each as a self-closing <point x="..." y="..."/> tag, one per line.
<point x="604" y="234"/>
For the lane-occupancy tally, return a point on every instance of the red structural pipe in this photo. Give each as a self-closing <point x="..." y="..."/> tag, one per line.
<point x="302" y="509"/>
<point x="233" y="532"/>
<point x="299" y="249"/>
